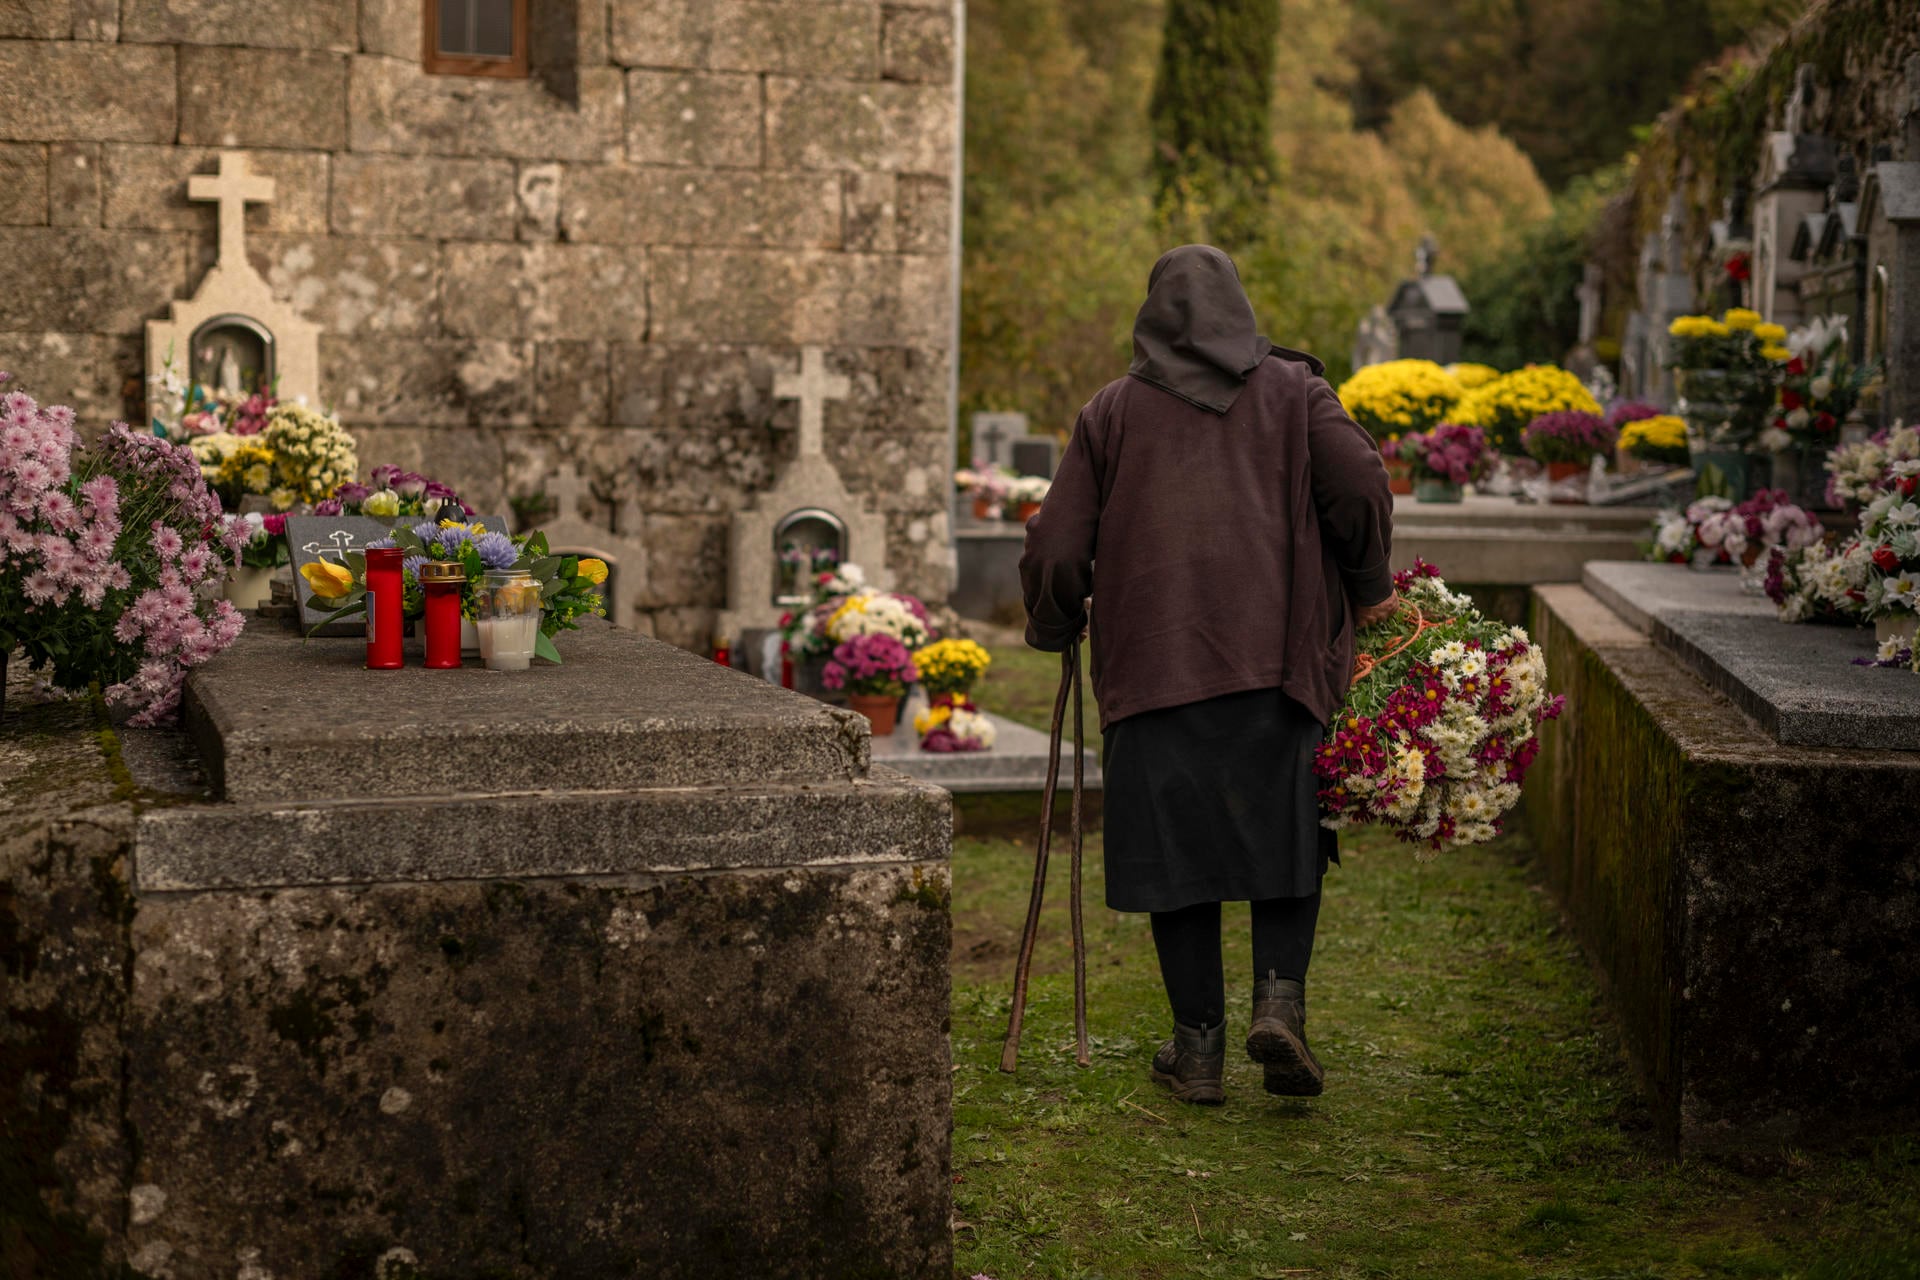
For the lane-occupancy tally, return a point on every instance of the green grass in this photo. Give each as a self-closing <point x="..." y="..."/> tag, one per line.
<point x="1479" y="1119"/>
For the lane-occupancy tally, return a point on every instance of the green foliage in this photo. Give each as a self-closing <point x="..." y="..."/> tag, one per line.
<point x="1212" y="109"/>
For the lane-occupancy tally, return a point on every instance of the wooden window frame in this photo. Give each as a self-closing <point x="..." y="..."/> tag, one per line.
<point x="433" y="62"/>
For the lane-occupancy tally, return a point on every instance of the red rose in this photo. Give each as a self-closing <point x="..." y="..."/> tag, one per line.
<point x="1739" y="267"/>
<point x="1826" y="423"/>
<point x="1790" y="400"/>
<point x="1908" y="484"/>
<point x="1885" y="560"/>
<point x="1796" y="367"/>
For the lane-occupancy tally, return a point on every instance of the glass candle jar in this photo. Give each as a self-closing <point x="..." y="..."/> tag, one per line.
<point x="386" y="608"/>
<point x="443" y="584"/>
<point x="507" y="614"/>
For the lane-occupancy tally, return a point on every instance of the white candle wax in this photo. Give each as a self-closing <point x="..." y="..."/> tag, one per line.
<point x="506" y="644"/>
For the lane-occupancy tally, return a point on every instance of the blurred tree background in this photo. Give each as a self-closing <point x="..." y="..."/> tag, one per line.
<point x="1101" y="132"/>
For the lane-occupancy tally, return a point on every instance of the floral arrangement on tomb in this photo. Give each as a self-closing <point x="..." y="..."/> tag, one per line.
<point x="1471" y="376"/>
<point x="1716" y="531"/>
<point x="1504" y="407"/>
<point x="390" y="493"/>
<point x="185" y="409"/>
<point x="988" y="487"/>
<point x="1825" y="581"/>
<point x="110" y="557"/>
<point x="1820" y="386"/>
<point x="569" y="585"/>
<point x="1894" y="653"/>
<point x="953" y="724"/>
<point x="871" y="664"/>
<point x="1396" y="397"/>
<point x="951" y="666"/>
<point x="1859" y="473"/>
<point x="1729" y="372"/>
<point x="266" y="545"/>
<point x="1890" y="532"/>
<point x="1568" y="435"/>
<point x="312" y="455"/>
<point x="844" y="606"/>
<point x="235" y="466"/>
<point x="1028" y="491"/>
<point x="1739" y="339"/>
<point x="1440" y="725"/>
<point x="1450" y="453"/>
<point x="1660" y="438"/>
<point x="1632" y="411"/>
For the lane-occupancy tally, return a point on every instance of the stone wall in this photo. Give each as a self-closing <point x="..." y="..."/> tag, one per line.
<point x="607" y="262"/>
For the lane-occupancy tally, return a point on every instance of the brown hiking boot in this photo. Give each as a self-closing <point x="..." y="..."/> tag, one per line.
<point x="1278" y="1041"/>
<point x="1192" y="1063"/>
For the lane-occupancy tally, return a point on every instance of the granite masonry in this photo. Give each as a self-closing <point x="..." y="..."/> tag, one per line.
<point x="605" y="264"/>
<point x="633" y="966"/>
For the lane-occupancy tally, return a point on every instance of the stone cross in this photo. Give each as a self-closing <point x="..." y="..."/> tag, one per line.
<point x="566" y="487"/>
<point x="993" y="435"/>
<point x="235" y="188"/>
<point x="813" y="386"/>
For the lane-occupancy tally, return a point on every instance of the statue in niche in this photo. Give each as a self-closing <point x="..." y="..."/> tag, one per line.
<point x="808" y="542"/>
<point x="232" y="358"/>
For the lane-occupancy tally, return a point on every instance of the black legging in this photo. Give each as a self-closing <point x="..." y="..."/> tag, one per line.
<point x="1188" y="941"/>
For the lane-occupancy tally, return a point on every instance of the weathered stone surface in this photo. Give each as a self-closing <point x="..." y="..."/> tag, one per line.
<point x="571" y="384"/>
<point x="23" y="184"/>
<point x="686" y="559"/>
<point x="95" y="19"/>
<point x="691" y="628"/>
<point x="831" y="124"/>
<point x="918" y="45"/>
<point x="818" y="39"/>
<point x="146" y="188"/>
<point x="91" y="281"/>
<point x="391" y="27"/>
<point x="925" y="210"/>
<point x="382" y="380"/>
<point x="621" y="204"/>
<point x="907" y="471"/>
<point x="547" y="291"/>
<point x="85" y="371"/>
<point x="395" y="108"/>
<point x="35" y="20"/>
<point x="73" y="184"/>
<point x="537" y="193"/>
<point x="263" y="98"/>
<point x="354" y="286"/>
<point x="707" y="119"/>
<point x="920" y="553"/>
<point x="769" y="297"/>
<point x="871" y="212"/>
<point x="86" y="92"/>
<point x="261" y="24"/>
<point x="471" y="459"/>
<point x="443" y="199"/>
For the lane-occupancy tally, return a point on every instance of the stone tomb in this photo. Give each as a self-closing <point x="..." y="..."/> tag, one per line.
<point x="1750" y="902"/>
<point x="631" y="966"/>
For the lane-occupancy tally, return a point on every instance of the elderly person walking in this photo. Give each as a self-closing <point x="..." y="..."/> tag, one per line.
<point x="1240" y="521"/>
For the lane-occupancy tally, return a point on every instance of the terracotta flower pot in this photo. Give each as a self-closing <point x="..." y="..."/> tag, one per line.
<point x="882" y="710"/>
<point x="1558" y="473"/>
<point x="1399" y="476"/>
<point x="1026" y="512"/>
<point x="982" y="509"/>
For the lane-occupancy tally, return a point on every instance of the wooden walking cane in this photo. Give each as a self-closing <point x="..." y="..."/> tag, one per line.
<point x="1010" y="1051"/>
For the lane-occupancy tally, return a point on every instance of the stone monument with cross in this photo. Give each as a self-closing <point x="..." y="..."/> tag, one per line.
<point x="620" y="547"/>
<point x="808" y="512"/>
<point x="233" y="336"/>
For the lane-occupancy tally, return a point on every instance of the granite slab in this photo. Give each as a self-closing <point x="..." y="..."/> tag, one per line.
<point x="1016" y="762"/>
<point x="1798" y="682"/>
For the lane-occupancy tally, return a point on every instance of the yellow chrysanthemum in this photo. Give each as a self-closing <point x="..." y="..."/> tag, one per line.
<point x="1413" y="395"/>
<point x="1778" y="354"/>
<point x="1774" y="334"/>
<point x="1741" y="318"/>
<point x="1470" y="376"/>
<point x="1502" y="408"/>
<point x="1662" y="438"/>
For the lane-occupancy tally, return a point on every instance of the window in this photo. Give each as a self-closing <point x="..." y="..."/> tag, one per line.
<point x="476" y="37"/>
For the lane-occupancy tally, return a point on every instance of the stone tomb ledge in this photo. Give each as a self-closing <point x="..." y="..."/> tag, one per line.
<point x="632" y="966"/>
<point x="1491" y="542"/>
<point x="1798" y="682"/>
<point x="1016" y="762"/>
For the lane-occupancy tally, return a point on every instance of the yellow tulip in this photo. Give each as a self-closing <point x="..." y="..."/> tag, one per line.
<point x="329" y="581"/>
<point x="594" y="571"/>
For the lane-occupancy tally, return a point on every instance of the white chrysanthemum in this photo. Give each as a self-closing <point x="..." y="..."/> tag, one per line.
<point x="1472" y="665"/>
<point x="1449" y="653"/>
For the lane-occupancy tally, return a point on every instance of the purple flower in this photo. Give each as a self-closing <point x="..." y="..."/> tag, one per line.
<point x="411" y="564"/>
<point x="496" y="550"/>
<point x="384" y="475"/>
<point x="384" y="544"/>
<point x="451" y="540"/>
<point x="1632" y="411"/>
<point x="352" y="493"/>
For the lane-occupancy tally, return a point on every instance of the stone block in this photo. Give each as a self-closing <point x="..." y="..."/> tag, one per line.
<point x="259" y="24"/>
<point x="924" y="206"/>
<point x="73" y="184"/>
<point x="35" y="20"/>
<point x="547" y="291"/>
<point x="537" y="190"/>
<point x="917" y="45"/>
<point x="782" y="297"/>
<point x="830" y="124"/>
<point x="381" y="380"/>
<point x="23" y="184"/>
<point x="146" y="188"/>
<point x="571" y="384"/>
<point x="86" y="92"/>
<point x="816" y="39"/>
<point x="263" y="98"/>
<point x="902" y="471"/>
<point x="620" y="204"/>
<point x="391" y="27"/>
<point x="442" y="199"/>
<point x="96" y="19"/>
<point x="395" y="107"/>
<point x="85" y="371"/>
<point x="91" y="281"/>
<point x="871" y="212"/>
<point x="707" y="119"/>
<point x="354" y="286"/>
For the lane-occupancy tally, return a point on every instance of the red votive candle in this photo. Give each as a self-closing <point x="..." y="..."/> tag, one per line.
<point x="442" y="585"/>
<point x="386" y="609"/>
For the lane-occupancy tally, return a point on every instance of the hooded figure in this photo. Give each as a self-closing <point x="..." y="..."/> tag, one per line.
<point x="1242" y="525"/>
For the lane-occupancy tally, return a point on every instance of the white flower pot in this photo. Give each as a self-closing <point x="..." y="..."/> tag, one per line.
<point x="248" y="587"/>
<point x="1896" y="626"/>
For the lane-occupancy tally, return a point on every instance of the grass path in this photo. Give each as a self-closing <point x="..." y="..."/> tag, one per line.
<point x="1479" y="1121"/>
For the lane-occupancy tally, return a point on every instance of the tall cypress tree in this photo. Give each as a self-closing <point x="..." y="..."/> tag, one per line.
<point x="1212" y="108"/>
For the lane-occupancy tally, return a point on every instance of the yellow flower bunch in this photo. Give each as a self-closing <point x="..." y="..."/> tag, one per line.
<point x="1658" y="439"/>
<point x="1399" y="396"/>
<point x="1741" y="318"/>
<point x="1772" y="334"/>
<point x="313" y="454"/>
<point x="1698" y="327"/>
<point x="1503" y="408"/>
<point x="248" y="468"/>
<point x="951" y="666"/>
<point x="930" y="719"/>
<point x="1470" y="376"/>
<point x="1776" y="353"/>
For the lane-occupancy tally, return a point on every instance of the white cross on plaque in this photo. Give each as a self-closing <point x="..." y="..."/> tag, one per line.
<point x="235" y="188"/>
<point x="566" y="487"/>
<point x="813" y="386"/>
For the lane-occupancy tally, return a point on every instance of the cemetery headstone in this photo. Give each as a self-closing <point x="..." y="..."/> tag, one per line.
<point x="1035" y="456"/>
<point x="619" y="547"/>
<point x="993" y="437"/>
<point x="1429" y="311"/>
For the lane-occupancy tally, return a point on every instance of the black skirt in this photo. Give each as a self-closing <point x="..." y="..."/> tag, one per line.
<point x="1214" y="802"/>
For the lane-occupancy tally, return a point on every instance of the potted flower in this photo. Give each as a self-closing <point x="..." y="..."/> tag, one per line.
<point x="874" y="669"/>
<point x="1396" y="398"/>
<point x="1504" y="407"/>
<point x="1820" y="386"/>
<point x="1445" y="460"/>
<point x="1727" y="370"/>
<point x="1568" y="441"/>
<point x="312" y="455"/>
<point x="250" y="583"/>
<point x="1025" y="494"/>
<point x="986" y="486"/>
<point x="1658" y="440"/>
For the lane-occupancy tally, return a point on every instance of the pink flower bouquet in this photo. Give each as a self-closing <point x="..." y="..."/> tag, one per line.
<point x="873" y="664"/>
<point x="1451" y="453"/>
<point x="111" y="558"/>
